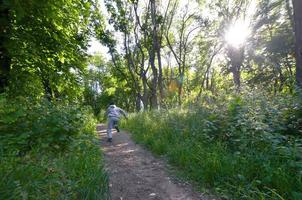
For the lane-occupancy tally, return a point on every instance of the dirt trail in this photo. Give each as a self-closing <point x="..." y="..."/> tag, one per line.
<point x="135" y="174"/>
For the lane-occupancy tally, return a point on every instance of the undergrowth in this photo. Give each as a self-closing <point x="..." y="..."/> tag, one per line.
<point x="246" y="147"/>
<point x="49" y="150"/>
<point x="76" y="173"/>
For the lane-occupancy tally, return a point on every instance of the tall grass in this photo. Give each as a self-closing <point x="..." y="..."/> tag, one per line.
<point x="49" y="150"/>
<point x="76" y="173"/>
<point x="245" y="147"/>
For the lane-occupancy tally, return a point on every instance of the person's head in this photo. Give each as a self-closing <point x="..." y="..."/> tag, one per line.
<point x="111" y="103"/>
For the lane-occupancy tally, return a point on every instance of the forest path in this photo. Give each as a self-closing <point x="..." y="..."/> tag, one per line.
<point x="135" y="174"/>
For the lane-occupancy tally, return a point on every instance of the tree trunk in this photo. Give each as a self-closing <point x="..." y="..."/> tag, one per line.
<point x="236" y="76"/>
<point x="154" y="103"/>
<point x="138" y="102"/>
<point x="236" y="56"/>
<point x="47" y="89"/>
<point x="157" y="48"/>
<point x="297" y="5"/>
<point x="145" y="93"/>
<point x="212" y="85"/>
<point x="5" y="68"/>
<point x="180" y="87"/>
<point x="180" y="84"/>
<point x="153" y="95"/>
<point x="160" y="75"/>
<point x="4" y="57"/>
<point x="289" y="13"/>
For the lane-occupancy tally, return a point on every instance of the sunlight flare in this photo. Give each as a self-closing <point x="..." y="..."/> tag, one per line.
<point x="237" y="34"/>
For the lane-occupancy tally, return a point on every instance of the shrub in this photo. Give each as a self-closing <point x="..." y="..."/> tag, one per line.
<point x="76" y="173"/>
<point x="49" y="150"/>
<point x="241" y="146"/>
<point x="25" y="124"/>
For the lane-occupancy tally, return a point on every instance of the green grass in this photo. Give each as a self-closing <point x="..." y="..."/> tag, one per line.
<point x="226" y="150"/>
<point x="76" y="173"/>
<point x="49" y="150"/>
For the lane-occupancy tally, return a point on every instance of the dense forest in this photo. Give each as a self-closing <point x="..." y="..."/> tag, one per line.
<point x="214" y="86"/>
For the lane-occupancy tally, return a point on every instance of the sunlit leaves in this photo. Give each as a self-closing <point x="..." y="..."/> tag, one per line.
<point x="49" y="39"/>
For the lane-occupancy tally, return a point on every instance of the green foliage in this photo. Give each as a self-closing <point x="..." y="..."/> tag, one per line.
<point x="26" y="123"/>
<point x="104" y="84"/>
<point x="46" y="46"/>
<point x="49" y="151"/>
<point x="243" y="147"/>
<point x="76" y="173"/>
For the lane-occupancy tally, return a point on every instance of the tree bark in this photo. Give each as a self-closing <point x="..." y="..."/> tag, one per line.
<point x="160" y="74"/>
<point x="138" y="102"/>
<point x="154" y="102"/>
<point x="145" y="93"/>
<point x="4" y="56"/>
<point x="289" y="11"/>
<point x="297" y="5"/>
<point x="141" y="45"/>
<point x="236" y="56"/>
<point x="47" y="88"/>
<point x="132" y="70"/>
<point x="157" y="49"/>
<point x="153" y="94"/>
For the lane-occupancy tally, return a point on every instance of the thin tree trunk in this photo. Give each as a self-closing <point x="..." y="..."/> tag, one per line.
<point x="236" y="56"/>
<point x="145" y="93"/>
<point x="4" y="57"/>
<point x="160" y="75"/>
<point x="207" y="80"/>
<point x="138" y="102"/>
<point x="143" y="71"/>
<point x="212" y="81"/>
<point x="289" y="13"/>
<point x="154" y="103"/>
<point x="47" y="89"/>
<point x="236" y="76"/>
<point x="180" y="88"/>
<point x="297" y="5"/>
<point x="153" y="95"/>
<point x="131" y="68"/>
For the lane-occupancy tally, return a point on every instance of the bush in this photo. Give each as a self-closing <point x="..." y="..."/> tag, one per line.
<point x="76" y="173"/>
<point x="25" y="124"/>
<point x="49" y="150"/>
<point x="241" y="146"/>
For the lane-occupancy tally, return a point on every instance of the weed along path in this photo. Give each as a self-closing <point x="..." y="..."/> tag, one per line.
<point x="135" y="174"/>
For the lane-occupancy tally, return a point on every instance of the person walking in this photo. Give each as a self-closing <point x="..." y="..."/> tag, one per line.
<point x="113" y="114"/>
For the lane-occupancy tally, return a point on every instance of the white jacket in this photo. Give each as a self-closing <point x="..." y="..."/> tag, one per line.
<point x="115" y="112"/>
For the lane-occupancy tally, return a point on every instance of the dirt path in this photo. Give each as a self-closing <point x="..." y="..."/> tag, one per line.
<point x="135" y="174"/>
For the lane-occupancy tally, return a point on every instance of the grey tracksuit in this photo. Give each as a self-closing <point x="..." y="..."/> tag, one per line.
<point x="113" y="113"/>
